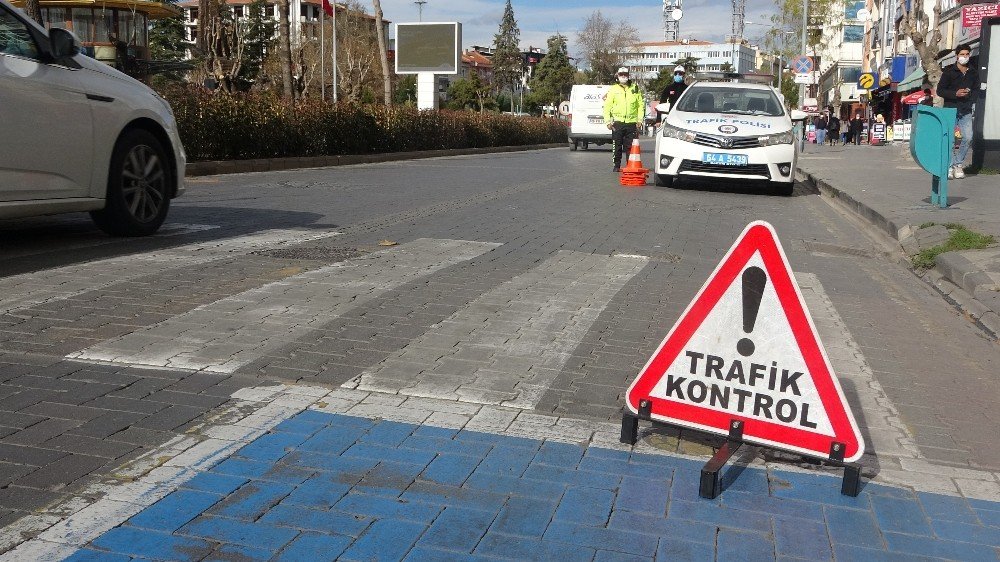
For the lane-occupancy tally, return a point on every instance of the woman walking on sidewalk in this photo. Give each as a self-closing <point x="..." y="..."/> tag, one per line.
<point x="845" y="132"/>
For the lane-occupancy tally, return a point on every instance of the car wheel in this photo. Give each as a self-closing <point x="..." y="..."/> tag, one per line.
<point x="586" y="145"/>
<point x="574" y="145"/>
<point x="784" y="189"/>
<point x="139" y="186"/>
<point x="663" y="180"/>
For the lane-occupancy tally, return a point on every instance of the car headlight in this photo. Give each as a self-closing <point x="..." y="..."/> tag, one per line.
<point x="672" y="132"/>
<point x="780" y="138"/>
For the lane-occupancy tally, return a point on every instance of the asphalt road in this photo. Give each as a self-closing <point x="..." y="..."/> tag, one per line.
<point x="530" y="280"/>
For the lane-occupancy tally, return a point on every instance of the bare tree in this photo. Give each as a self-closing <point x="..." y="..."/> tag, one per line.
<point x="925" y="35"/>
<point x="33" y="10"/>
<point x="285" y="51"/>
<point x="225" y="45"/>
<point x="383" y="53"/>
<point x="606" y="45"/>
<point x="357" y="53"/>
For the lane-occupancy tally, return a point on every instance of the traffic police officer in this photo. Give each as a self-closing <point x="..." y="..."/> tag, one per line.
<point x="623" y="109"/>
<point x="674" y="89"/>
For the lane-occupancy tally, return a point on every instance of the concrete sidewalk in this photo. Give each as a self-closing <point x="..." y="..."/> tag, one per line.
<point x="884" y="186"/>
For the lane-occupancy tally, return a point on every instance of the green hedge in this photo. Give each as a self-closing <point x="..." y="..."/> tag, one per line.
<point x="235" y="127"/>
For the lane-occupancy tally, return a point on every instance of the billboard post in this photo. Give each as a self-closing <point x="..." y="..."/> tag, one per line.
<point x="426" y="49"/>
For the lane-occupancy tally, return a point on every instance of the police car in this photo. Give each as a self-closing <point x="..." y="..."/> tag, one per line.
<point x="728" y="127"/>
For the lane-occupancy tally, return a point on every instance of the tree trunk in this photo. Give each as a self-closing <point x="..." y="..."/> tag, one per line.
<point x="285" y="51"/>
<point x="916" y="25"/>
<point x="33" y="10"/>
<point x="383" y="52"/>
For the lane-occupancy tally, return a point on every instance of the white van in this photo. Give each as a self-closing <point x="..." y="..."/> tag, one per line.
<point x="586" y="108"/>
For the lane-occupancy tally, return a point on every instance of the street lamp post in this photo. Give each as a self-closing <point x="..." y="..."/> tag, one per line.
<point x="420" y="9"/>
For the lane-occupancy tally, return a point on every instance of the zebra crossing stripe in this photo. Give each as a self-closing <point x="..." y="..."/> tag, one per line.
<point x="232" y="332"/>
<point x="22" y="291"/>
<point x="509" y="345"/>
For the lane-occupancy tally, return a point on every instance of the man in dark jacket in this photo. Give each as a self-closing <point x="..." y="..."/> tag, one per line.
<point x="833" y="128"/>
<point x="857" y="125"/>
<point x="673" y="90"/>
<point x="959" y="86"/>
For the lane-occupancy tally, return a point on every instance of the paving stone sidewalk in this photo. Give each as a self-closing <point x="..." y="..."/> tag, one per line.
<point x="887" y="188"/>
<point x="286" y="482"/>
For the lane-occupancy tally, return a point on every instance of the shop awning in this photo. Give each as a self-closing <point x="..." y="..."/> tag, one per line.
<point x="914" y="80"/>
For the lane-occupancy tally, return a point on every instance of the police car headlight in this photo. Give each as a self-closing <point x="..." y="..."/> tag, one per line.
<point x="780" y="138"/>
<point x="672" y="132"/>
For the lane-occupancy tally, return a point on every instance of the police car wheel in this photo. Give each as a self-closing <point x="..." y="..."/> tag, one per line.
<point x="574" y="145"/>
<point x="663" y="180"/>
<point x="586" y="145"/>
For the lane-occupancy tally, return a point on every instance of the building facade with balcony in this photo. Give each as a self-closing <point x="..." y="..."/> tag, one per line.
<point x="652" y="57"/>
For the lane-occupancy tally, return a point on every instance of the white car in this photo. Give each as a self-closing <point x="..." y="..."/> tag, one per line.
<point x="77" y="135"/>
<point x="727" y="130"/>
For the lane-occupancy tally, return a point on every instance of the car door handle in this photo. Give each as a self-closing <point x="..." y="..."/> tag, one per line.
<point x="96" y="97"/>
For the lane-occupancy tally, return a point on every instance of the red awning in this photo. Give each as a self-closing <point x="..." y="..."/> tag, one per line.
<point x="913" y="99"/>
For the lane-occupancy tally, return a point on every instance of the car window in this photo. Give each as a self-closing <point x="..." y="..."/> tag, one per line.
<point x="15" y="39"/>
<point x="740" y="101"/>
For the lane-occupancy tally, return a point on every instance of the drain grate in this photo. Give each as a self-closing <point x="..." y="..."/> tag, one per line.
<point x="833" y="249"/>
<point x="316" y="253"/>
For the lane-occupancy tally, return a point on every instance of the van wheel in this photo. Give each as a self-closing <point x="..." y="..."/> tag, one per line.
<point x="663" y="180"/>
<point x="586" y="145"/>
<point x="574" y="145"/>
<point x="139" y="186"/>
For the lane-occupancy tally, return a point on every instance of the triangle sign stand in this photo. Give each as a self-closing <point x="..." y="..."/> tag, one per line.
<point x="745" y="361"/>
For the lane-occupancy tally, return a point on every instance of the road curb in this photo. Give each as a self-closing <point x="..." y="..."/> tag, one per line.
<point x="864" y="211"/>
<point x="216" y="167"/>
<point x="955" y="269"/>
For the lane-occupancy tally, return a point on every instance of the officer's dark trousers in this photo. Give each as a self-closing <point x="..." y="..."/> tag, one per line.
<point x="622" y="134"/>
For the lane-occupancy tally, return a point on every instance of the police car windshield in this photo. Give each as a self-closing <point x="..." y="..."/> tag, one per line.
<point x="738" y="101"/>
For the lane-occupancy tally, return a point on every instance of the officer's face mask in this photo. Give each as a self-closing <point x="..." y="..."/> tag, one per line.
<point x="678" y="78"/>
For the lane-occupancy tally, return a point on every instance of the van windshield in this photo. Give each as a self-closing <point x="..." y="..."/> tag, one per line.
<point x="739" y="101"/>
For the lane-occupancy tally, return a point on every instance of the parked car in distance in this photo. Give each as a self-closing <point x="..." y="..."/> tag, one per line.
<point x="77" y="135"/>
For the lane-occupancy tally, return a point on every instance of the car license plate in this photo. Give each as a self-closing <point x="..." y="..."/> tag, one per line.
<point x="723" y="159"/>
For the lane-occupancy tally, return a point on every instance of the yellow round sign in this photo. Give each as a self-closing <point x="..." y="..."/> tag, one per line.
<point x="866" y="81"/>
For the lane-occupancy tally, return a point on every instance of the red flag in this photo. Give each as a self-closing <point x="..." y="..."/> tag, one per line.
<point x="328" y="8"/>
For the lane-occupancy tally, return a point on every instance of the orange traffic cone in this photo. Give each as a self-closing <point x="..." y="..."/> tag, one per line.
<point x="633" y="174"/>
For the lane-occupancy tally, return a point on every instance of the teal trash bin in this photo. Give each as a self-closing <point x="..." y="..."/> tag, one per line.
<point x="931" y="144"/>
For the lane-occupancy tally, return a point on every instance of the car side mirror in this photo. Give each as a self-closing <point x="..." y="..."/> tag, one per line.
<point x="663" y="107"/>
<point x="62" y="43"/>
<point x="798" y="115"/>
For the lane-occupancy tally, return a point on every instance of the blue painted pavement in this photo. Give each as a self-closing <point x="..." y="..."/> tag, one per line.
<point x="324" y="487"/>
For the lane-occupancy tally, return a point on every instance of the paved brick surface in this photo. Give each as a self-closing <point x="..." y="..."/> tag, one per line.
<point x="921" y="366"/>
<point x="348" y="488"/>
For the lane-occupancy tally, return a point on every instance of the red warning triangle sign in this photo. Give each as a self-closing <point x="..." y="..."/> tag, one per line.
<point x="746" y="349"/>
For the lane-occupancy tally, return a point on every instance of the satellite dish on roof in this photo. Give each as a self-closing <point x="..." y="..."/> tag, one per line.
<point x="864" y="14"/>
<point x="677" y="14"/>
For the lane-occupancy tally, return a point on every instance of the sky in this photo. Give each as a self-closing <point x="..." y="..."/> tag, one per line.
<point x="539" y="19"/>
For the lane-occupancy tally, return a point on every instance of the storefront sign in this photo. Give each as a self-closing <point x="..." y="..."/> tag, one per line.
<point x="972" y="19"/>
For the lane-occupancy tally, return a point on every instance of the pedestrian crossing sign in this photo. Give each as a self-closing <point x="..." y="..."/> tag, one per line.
<point x="746" y="350"/>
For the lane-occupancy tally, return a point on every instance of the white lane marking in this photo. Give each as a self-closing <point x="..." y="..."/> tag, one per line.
<point x="508" y="346"/>
<point x="175" y="229"/>
<point x="225" y="335"/>
<point x="29" y="289"/>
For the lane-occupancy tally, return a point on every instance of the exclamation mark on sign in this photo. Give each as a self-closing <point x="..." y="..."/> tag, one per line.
<point x="754" y="281"/>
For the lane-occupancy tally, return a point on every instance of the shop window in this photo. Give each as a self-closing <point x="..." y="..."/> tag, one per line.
<point x="854" y="33"/>
<point x="83" y="24"/>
